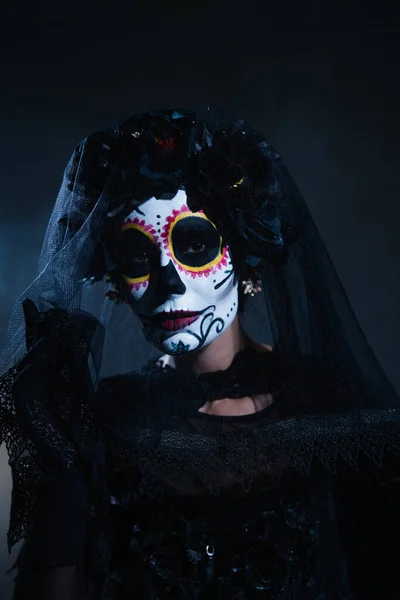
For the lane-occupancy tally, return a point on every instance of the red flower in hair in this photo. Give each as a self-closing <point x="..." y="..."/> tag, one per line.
<point x="165" y="144"/>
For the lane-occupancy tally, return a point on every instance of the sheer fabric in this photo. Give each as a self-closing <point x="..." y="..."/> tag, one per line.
<point x="336" y="405"/>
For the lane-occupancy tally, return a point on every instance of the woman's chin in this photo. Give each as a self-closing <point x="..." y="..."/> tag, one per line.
<point x="170" y="342"/>
<point x="179" y="343"/>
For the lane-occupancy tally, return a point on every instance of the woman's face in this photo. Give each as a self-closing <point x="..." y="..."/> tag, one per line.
<point x="178" y="276"/>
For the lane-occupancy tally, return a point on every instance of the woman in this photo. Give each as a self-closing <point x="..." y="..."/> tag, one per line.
<point x="203" y="468"/>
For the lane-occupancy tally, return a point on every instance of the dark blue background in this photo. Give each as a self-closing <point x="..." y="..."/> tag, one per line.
<point x="320" y="79"/>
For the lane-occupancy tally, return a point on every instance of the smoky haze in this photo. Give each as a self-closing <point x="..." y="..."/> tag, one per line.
<point x="324" y="90"/>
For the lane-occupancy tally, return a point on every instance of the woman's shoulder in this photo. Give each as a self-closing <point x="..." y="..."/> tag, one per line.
<point x="128" y="378"/>
<point x="117" y="392"/>
<point x="116" y="384"/>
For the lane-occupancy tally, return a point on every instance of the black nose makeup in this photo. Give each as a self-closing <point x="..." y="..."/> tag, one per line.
<point x="169" y="282"/>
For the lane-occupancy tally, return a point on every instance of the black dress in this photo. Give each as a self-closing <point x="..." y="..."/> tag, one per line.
<point x="192" y="521"/>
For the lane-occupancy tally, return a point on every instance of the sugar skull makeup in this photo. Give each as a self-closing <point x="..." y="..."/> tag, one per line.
<point x="179" y="277"/>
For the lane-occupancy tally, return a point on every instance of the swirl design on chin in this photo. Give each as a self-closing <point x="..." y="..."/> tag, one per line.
<point x="157" y="339"/>
<point x="218" y="322"/>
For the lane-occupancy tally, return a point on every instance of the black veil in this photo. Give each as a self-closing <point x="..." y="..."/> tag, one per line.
<point x="231" y="172"/>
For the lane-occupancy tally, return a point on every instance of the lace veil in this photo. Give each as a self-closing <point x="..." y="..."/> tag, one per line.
<point x="233" y="174"/>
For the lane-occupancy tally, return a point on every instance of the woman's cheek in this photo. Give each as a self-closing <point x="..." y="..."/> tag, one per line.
<point x="137" y="287"/>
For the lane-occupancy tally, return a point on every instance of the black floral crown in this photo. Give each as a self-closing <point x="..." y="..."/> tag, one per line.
<point x="226" y="168"/>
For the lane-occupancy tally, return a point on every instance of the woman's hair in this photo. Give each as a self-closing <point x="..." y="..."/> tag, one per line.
<point x="158" y="153"/>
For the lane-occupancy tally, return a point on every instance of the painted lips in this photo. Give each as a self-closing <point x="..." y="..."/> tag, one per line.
<point x="175" y="320"/>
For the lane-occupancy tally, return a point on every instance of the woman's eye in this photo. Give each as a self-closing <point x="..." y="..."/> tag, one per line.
<point x="194" y="248"/>
<point x="140" y="256"/>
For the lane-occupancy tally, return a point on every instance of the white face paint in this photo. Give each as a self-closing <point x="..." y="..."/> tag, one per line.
<point x="180" y="279"/>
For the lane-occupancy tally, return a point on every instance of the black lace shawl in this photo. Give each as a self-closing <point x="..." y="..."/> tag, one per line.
<point x="197" y="511"/>
<point x="159" y="427"/>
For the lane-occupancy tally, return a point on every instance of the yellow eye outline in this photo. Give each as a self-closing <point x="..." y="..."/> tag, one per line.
<point x="142" y="278"/>
<point x="135" y="280"/>
<point x="214" y="262"/>
<point x="139" y="228"/>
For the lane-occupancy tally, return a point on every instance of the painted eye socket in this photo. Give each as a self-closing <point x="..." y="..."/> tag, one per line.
<point x="135" y="254"/>
<point x="194" y="248"/>
<point x="140" y="256"/>
<point x="195" y="242"/>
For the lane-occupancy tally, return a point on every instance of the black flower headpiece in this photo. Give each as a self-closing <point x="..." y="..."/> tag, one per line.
<point x="234" y="180"/>
<point x="226" y="168"/>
